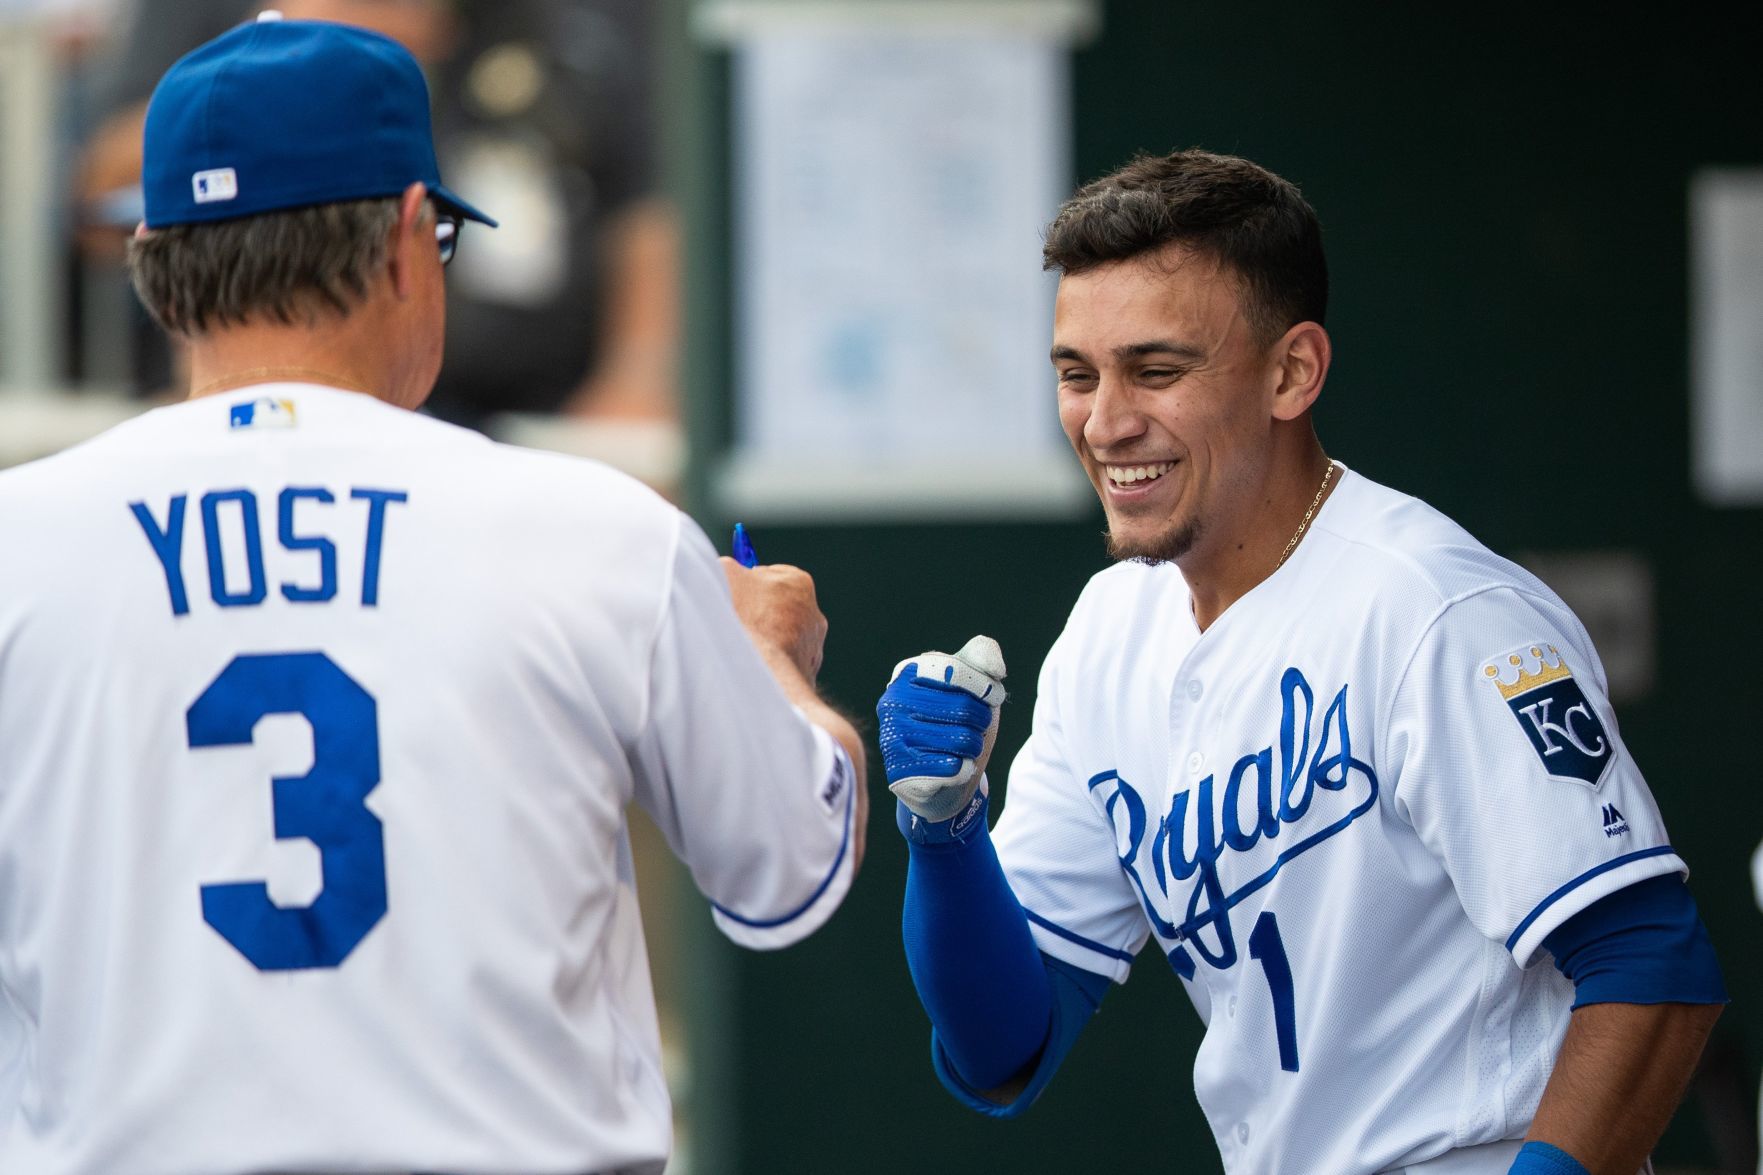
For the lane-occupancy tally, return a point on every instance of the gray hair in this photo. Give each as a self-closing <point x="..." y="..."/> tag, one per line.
<point x="291" y="266"/>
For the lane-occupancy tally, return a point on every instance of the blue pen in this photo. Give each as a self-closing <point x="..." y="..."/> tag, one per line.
<point x="745" y="555"/>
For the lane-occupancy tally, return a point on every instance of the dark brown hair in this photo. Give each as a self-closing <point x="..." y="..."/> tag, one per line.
<point x="1237" y="213"/>
<point x="288" y="266"/>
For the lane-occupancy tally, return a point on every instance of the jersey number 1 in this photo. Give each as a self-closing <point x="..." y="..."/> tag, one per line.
<point x="1265" y="945"/>
<point x="326" y="806"/>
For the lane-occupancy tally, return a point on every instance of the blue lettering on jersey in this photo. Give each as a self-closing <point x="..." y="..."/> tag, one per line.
<point x="376" y="533"/>
<point x="217" y="587"/>
<point x="236" y="512"/>
<point x="327" y="550"/>
<point x="327" y="806"/>
<point x="168" y="545"/>
<point x="1309" y="796"/>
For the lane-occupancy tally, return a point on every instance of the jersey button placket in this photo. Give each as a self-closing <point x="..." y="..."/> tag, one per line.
<point x="1179" y="778"/>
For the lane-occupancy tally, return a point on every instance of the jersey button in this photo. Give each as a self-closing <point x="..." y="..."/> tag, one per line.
<point x="1243" y="1132"/>
<point x="1194" y="690"/>
<point x="1231" y="1008"/>
<point x="1196" y="761"/>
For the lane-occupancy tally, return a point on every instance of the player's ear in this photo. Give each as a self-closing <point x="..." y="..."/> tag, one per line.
<point x="1301" y="358"/>
<point x="408" y="236"/>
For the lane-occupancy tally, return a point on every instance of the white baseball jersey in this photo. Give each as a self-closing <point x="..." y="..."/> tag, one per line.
<point x="1347" y="814"/>
<point x="318" y="720"/>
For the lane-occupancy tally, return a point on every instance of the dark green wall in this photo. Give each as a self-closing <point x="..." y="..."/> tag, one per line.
<point x="1504" y="198"/>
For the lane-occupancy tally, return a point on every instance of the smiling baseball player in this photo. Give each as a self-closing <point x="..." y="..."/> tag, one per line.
<point x="319" y="718"/>
<point x="1353" y="777"/>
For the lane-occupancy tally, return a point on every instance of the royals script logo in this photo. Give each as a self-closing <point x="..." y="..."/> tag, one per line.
<point x="1269" y="810"/>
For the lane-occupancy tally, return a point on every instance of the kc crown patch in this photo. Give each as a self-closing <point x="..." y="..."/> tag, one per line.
<point x="1562" y="727"/>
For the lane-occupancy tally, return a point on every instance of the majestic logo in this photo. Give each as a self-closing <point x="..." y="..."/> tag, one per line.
<point x="264" y="413"/>
<point x="221" y="183"/>
<point x="1561" y="725"/>
<point x="834" y="788"/>
<point x="1268" y="813"/>
<point x="1615" y="823"/>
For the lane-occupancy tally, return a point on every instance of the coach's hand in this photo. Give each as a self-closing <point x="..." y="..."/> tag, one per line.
<point x="777" y="607"/>
<point x="939" y="718"/>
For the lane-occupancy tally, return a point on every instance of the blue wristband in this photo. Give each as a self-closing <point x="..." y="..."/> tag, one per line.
<point x="958" y="829"/>
<point x="1539" y="1158"/>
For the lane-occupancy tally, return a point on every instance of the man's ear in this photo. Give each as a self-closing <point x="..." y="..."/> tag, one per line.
<point x="1302" y="356"/>
<point x="408" y="235"/>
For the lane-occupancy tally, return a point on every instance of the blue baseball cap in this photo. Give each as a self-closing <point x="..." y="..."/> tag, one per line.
<point x="283" y="114"/>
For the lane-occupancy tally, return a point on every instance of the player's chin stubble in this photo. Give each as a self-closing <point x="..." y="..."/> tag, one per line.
<point x="1165" y="547"/>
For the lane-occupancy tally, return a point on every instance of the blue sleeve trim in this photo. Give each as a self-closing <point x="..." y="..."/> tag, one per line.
<point x="841" y="766"/>
<point x="1660" y="851"/>
<point x="1077" y="994"/>
<point x="1643" y="944"/>
<point x="1073" y="936"/>
<point x="1540" y="1158"/>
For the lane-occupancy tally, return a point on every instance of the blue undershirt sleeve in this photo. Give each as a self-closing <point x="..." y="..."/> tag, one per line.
<point x="1076" y="995"/>
<point x="1000" y="1011"/>
<point x="1539" y="1158"/>
<point x="1643" y="944"/>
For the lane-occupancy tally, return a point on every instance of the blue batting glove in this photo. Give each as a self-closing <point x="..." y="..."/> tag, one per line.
<point x="939" y="718"/>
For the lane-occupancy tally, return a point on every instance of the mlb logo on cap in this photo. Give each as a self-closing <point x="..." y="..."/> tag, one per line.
<point x="281" y="114"/>
<point x="222" y="183"/>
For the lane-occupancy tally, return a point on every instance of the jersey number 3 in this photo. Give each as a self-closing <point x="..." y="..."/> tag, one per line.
<point x="327" y="806"/>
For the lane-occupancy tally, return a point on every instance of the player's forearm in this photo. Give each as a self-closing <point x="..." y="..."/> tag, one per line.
<point x="1620" y="1075"/>
<point x="837" y="725"/>
<point x="776" y="607"/>
<point x="801" y="692"/>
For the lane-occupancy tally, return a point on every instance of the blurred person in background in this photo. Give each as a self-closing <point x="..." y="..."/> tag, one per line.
<point x="546" y="106"/>
<point x="67" y="38"/>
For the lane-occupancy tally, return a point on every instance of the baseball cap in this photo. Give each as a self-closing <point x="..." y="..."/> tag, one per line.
<point x="286" y="113"/>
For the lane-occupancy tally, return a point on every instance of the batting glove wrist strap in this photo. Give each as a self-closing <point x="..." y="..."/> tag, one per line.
<point x="939" y="717"/>
<point x="954" y="832"/>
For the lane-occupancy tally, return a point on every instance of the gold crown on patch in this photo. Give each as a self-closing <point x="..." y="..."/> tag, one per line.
<point x="1521" y="674"/>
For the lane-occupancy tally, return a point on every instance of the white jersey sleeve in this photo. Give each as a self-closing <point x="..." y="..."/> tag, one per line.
<point x="755" y="799"/>
<point x="1509" y="766"/>
<point x="1058" y="854"/>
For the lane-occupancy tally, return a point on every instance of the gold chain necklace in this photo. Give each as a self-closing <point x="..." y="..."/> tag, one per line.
<point x="239" y="379"/>
<point x="1308" y="515"/>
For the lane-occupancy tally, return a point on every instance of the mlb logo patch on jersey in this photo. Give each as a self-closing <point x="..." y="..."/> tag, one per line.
<point x="1565" y="732"/>
<point x="264" y="413"/>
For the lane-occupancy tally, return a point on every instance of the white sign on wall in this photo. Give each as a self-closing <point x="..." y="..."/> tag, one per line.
<point x="895" y="166"/>
<point x="1726" y="335"/>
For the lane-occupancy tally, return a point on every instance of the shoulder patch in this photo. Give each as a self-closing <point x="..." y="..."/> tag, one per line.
<point x="1538" y="687"/>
